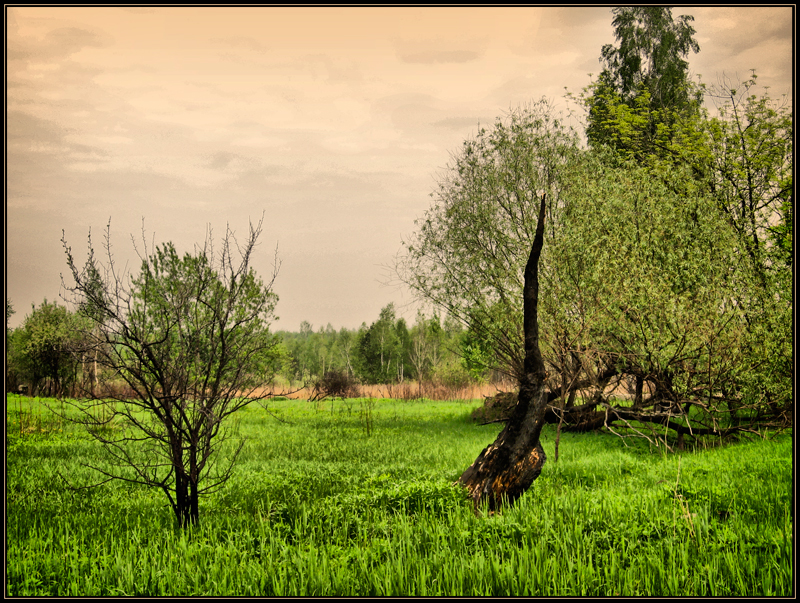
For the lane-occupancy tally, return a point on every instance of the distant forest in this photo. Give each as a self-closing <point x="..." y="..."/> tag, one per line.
<point x="387" y="351"/>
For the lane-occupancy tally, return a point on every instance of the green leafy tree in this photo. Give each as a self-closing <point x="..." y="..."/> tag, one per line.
<point x="380" y="352"/>
<point x="476" y="355"/>
<point x="91" y="307"/>
<point x="748" y="168"/>
<point x="189" y="337"/>
<point x="654" y="297"/>
<point x="471" y="247"/>
<point x="45" y="350"/>
<point x="346" y="349"/>
<point x="748" y="163"/>
<point x="644" y="86"/>
<point x="403" y="363"/>
<point x="650" y="55"/>
<point x="741" y="156"/>
<point x="425" y="347"/>
<point x="642" y="280"/>
<point x="310" y="354"/>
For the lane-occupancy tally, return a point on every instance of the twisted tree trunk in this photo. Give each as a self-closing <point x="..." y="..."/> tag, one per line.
<point x="507" y="468"/>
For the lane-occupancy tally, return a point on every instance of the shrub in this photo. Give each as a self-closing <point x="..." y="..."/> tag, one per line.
<point x="335" y="383"/>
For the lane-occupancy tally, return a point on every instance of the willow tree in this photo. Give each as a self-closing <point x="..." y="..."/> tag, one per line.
<point x="188" y="338"/>
<point x="648" y="288"/>
<point x="470" y="250"/>
<point x="477" y="255"/>
<point x="639" y="283"/>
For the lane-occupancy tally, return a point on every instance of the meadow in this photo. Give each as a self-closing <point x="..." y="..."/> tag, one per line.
<point x="355" y="497"/>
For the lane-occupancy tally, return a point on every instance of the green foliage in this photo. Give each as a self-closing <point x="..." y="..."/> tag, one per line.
<point x="476" y="354"/>
<point x="651" y="54"/>
<point x="748" y="166"/>
<point x="200" y="330"/>
<point x="657" y="264"/>
<point x="741" y="158"/>
<point x="667" y="253"/>
<point x="45" y="352"/>
<point x="310" y="354"/>
<point x="426" y="346"/>
<point x="643" y="88"/>
<point x="381" y="357"/>
<point x="638" y="129"/>
<point x="646" y="263"/>
<point x="387" y="351"/>
<point x="470" y="249"/>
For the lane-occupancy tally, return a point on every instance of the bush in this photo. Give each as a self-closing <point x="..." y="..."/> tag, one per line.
<point x="335" y="383"/>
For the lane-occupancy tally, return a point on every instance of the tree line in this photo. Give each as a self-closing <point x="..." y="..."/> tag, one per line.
<point x="386" y="351"/>
<point x="49" y="355"/>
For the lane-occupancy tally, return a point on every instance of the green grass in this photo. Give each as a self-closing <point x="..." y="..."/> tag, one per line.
<point x="355" y="498"/>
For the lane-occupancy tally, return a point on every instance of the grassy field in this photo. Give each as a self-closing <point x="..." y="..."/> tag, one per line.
<point x="354" y="498"/>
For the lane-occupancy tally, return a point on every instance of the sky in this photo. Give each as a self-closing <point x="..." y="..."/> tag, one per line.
<point x="332" y="123"/>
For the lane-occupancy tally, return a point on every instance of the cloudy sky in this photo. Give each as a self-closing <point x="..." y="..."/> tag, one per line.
<point x="332" y="122"/>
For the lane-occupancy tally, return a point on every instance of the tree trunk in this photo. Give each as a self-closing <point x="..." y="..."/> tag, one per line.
<point x="507" y="468"/>
<point x="187" y="511"/>
<point x="185" y="504"/>
<point x="637" y="397"/>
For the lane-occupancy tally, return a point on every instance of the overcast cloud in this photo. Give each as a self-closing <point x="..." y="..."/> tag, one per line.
<point x="332" y="122"/>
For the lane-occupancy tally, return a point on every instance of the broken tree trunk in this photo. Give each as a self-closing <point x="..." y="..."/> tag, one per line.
<point x="507" y="468"/>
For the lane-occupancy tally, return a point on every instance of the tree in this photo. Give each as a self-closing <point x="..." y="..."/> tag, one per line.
<point x="403" y="362"/>
<point x="477" y="247"/>
<point x="651" y="54"/>
<point x="313" y="353"/>
<point x="189" y="337"/>
<point x="379" y="356"/>
<point x="476" y="355"/>
<point x="92" y="309"/>
<point x="748" y="164"/>
<point x="741" y="157"/>
<point x="470" y="251"/>
<point x="644" y="83"/>
<point x="424" y="347"/>
<point x="346" y="341"/>
<point x="43" y="351"/>
<point x="643" y="283"/>
<point x="650" y="287"/>
<point x="644" y="107"/>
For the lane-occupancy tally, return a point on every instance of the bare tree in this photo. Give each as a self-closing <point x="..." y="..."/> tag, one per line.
<point x="188" y="340"/>
<point x="505" y="469"/>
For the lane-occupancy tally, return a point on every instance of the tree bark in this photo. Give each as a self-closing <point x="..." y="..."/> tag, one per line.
<point x="187" y="511"/>
<point x="637" y="398"/>
<point x="507" y="468"/>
